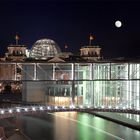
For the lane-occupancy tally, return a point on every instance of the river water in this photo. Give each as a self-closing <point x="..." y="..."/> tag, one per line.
<point x="73" y="126"/>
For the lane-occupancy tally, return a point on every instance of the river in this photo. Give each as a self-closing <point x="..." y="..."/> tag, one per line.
<point x="73" y="126"/>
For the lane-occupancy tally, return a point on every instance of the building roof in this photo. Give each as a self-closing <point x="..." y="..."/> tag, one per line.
<point x="56" y="59"/>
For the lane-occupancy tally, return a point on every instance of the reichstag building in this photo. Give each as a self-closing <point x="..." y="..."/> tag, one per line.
<point x="47" y="75"/>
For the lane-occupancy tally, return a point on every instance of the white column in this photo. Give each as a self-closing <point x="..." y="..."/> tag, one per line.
<point x="35" y="72"/>
<point x="54" y="71"/>
<point x="15" y="71"/>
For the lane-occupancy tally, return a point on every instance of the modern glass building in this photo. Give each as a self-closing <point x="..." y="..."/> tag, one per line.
<point x="95" y="84"/>
<point x="87" y="81"/>
<point x="115" y="84"/>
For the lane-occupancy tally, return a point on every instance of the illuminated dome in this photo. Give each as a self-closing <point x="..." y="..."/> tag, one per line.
<point x="44" y="48"/>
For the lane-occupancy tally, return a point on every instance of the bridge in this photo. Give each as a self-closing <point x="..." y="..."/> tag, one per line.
<point x="33" y="109"/>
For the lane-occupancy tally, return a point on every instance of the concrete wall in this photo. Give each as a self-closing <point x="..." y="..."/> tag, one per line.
<point x="33" y="92"/>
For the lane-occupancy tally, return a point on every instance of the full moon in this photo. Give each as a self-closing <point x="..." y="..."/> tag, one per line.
<point x="118" y="24"/>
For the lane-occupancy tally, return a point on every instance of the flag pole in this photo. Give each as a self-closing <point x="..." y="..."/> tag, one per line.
<point x="90" y="39"/>
<point x="17" y="39"/>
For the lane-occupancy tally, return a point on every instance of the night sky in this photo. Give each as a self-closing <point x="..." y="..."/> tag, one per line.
<point x="70" y="22"/>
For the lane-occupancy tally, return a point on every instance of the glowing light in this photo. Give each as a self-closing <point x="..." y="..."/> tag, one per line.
<point x="63" y="107"/>
<point x="41" y="108"/>
<point x="18" y="110"/>
<point x="33" y="108"/>
<point x="72" y="106"/>
<point x="124" y="107"/>
<point x="16" y="129"/>
<point x="26" y="109"/>
<point x="88" y="106"/>
<point x="81" y="106"/>
<point x="56" y="107"/>
<point x="2" y="112"/>
<point x="113" y="98"/>
<point x="109" y="107"/>
<point x="102" y="106"/>
<point x="118" y="24"/>
<point x="10" y="111"/>
<point x="48" y="107"/>
<point x="117" y="107"/>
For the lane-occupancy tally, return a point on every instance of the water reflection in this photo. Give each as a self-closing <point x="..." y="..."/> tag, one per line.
<point x="73" y="126"/>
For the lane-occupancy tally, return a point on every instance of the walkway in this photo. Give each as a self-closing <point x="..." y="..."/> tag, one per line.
<point x="19" y="110"/>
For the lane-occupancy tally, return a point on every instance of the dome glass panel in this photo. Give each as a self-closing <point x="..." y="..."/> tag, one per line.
<point x="44" y="48"/>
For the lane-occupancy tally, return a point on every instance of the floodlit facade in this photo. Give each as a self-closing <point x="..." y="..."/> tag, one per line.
<point x="95" y="84"/>
<point x="88" y="80"/>
<point x="102" y="84"/>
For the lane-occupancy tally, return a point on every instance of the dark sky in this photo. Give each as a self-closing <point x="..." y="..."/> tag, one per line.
<point x="71" y="21"/>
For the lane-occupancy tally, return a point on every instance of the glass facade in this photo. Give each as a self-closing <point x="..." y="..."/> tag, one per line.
<point x="107" y="84"/>
<point x="44" y="48"/>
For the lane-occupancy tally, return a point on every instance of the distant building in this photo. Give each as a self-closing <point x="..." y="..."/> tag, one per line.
<point x="16" y="52"/>
<point x="90" y="53"/>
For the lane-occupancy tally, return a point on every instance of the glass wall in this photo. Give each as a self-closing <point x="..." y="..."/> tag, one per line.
<point x="119" y="70"/>
<point x="117" y="94"/>
<point x="134" y="71"/>
<point x="28" y="71"/>
<point x="83" y="71"/>
<point x="101" y="71"/>
<point x="95" y="84"/>
<point x="58" y="93"/>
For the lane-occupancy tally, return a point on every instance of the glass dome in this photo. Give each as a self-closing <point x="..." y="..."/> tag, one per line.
<point x="44" y="48"/>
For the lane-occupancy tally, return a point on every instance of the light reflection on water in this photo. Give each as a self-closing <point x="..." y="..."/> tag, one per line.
<point x="73" y="126"/>
<point x="134" y="117"/>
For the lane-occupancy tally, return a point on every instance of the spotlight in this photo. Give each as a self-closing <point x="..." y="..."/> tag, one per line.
<point x="81" y="106"/>
<point x="10" y="111"/>
<point x="124" y="107"/>
<point x="109" y="107"/>
<point x="18" y="110"/>
<point x="2" y="111"/>
<point x="56" y="107"/>
<point x="33" y="108"/>
<point x="88" y="106"/>
<point x="49" y="107"/>
<point x="117" y="107"/>
<point x="41" y="108"/>
<point x="102" y="106"/>
<point x="26" y="109"/>
<point x="63" y="107"/>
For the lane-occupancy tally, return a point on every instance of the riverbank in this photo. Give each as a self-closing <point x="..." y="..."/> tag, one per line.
<point x="120" y="119"/>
